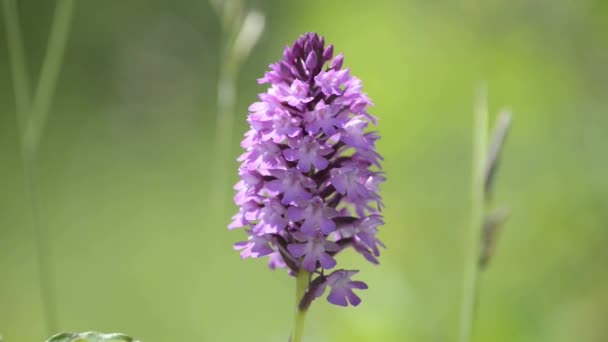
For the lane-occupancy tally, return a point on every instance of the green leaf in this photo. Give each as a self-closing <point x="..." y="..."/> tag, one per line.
<point x="90" y="336"/>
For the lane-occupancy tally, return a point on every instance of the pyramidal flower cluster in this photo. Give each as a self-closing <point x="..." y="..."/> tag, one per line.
<point x="309" y="178"/>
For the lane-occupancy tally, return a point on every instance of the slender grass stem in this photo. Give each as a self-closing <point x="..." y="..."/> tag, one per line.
<point x="51" y="66"/>
<point x="471" y="268"/>
<point x="240" y="33"/>
<point x="31" y="121"/>
<point x="226" y="92"/>
<point x="224" y="130"/>
<point x="41" y="236"/>
<point x="300" y="315"/>
<point x="18" y="63"/>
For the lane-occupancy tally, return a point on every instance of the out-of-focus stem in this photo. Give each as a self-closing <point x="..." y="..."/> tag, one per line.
<point x="501" y="129"/>
<point x="31" y="120"/>
<point x="239" y="36"/>
<point x="300" y="315"/>
<point x="51" y="66"/>
<point x="19" y="72"/>
<point x="41" y="237"/>
<point x="472" y="247"/>
<point x="223" y="129"/>
<point x="230" y="12"/>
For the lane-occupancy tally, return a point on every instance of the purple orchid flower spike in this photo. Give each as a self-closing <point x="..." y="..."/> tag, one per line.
<point x="310" y="173"/>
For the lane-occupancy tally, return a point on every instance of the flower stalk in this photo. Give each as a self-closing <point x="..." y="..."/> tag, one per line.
<point x="302" y="281"/>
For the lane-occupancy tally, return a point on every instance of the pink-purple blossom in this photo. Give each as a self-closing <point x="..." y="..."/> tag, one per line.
<point x="342" y="286"/>
<point x="310" y="172"/>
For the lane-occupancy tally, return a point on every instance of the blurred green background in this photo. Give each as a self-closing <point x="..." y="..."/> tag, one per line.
<point x="126" y="168"/>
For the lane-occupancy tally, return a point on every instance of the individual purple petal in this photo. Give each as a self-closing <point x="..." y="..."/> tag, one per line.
<point x="308" y="152"/>
<point x="350" y="180"/>
<point x="313" y="251"/>
<point x="363" y="232"/>
<point x="323" y="118"/>
<point x="284" y="126"/>
<point x="292" y="184"/>
<point x="297" y="249"/>
<point x="238" y="221"/>
<point x="332" y="81"/>
<point x="353" y="134"/>
<point x="297" y="93"/>
<point x="254" y="247"/>
<point x="262" y="156"/>
<point x="249" y="207"/>
<point x="251" y="181"/>
<point x="311" y="60"/>
<point x="275" y="260"/>
<point x="272" y="218"/>
<point x="336" y="63"/>
<point x="338" y="297"/>
<point x="342" y="288"/>
<point x="328" y="52"/>
<point x="315" y="215"/>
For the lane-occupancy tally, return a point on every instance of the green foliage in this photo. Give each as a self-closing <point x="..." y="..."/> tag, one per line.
<point x="90" y="336"/>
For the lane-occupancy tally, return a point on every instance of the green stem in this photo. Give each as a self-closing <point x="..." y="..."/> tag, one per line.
<point x="31" y="121"/>
<point x="17" y="60"/>
<point x="471" y="276"/>
<point x="41" y="239"/>
<point x="226" y="93"/>
<point x="51" y="66"/>
<point x="301" y="285"/>
<point x="223" y="131"/>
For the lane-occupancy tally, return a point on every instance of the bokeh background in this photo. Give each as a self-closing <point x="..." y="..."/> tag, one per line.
<point x="126" y="169"/>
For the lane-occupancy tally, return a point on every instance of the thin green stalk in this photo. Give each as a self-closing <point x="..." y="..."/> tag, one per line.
<point x="471" y="268"/>
<point x="224" y="129"/>
<point x="240" y="33"/>
<point x="22" y="106"/>
<point x="226" y="92"/>
<point x="300" y="315"/>
<point x="31" y="121"/>
<point x="41" y="238"/>
<point x="17" y="60"/>
<point x="51" y="66"/>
